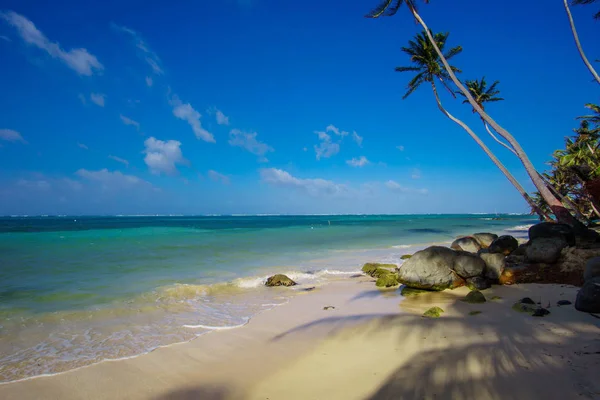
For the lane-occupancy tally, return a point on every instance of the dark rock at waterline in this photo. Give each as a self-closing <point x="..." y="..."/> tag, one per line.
<point x="505" y="244"/>
<point x="485" y="239"/>
<point x="545" y="249"/>
<point x="280" y="280"/>
<point x="592" y="268"/>
<point x="563" y="303"/>
<point x="466" y="243"/>
<point x="376" y="270"/>
<point x="540" y="312"/>
<point x="431" y="269"/>
<point x="588" y="297"/>
<point x="494" y="264"/>
<point x="478" y="283"/>
<point x="553" y="230"/>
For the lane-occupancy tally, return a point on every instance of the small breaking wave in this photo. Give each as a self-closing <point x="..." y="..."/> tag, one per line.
<point x="520" y="227"/>
<point x="217" y="328"/>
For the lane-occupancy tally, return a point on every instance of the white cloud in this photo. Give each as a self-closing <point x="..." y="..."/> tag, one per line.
<point x="119" y="160"/>
<point x="222" y="119"/>
<point x="79" y="59"/>
<point x="5" y="38"/>
<point x="335" y="130"/>
<point x="111" y="179"/>
<point x="163" y="157"/>
<point x="149" y="81"/>
<point x="314" y="187"/>
<point x="358" y="162"/>
<point x="98" y="99"/>
<point x="129" y="121"/>
<point x="401" y="148"/>
<point x="357" y="138"/>
<point x="416" y="174"/>
<point x="10" y="135"/>
<point x="40" y="184"/>
<point x="145" y="52"/>
<point x="396" y="187"/>
<point x="187" y="113"/>
<point x="326" y="148"/>
<point x="82" y="146"/>
<point x="248" y="141"/>
<point x="218" y="177"/>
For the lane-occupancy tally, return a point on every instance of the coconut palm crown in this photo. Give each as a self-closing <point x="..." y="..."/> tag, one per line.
<point x="387" y="8"/>
<point x="481" y="92"/>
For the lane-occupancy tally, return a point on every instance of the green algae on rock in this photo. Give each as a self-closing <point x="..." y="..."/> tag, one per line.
<point x="408" y="291"/>
<point x="474" y="297"/>
<point x="375" y="270"/>
<point x="387" y="280"/>
<point x="280" y="280"/>
<point x="433" y="312"/>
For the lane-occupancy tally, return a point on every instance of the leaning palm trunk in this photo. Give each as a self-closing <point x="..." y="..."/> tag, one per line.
<point x="578" y="43"/>
<point x="491" y="155"/>
<point x="561" y="213"/>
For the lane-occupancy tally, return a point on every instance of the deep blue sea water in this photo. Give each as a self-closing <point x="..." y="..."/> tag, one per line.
<point x="78" y="290"/>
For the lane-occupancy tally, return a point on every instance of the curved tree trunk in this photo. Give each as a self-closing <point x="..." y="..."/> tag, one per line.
<point x="487" y="128"/>
<point x="578" y="43"/>
<point x="561" y="213"/>
<point x="491" y="155"/>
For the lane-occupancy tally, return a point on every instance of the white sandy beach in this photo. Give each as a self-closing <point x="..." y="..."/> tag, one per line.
<point x="373" y="345"/>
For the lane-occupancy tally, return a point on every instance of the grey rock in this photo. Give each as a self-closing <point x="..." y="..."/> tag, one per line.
<point x="485" y="239"/>
<point x="431" y="268"/>
<point x="468" y="265"/>
<point x="520" y="251"/>
<point x="592" y="268"/>
<point x="563" y="303"/>
<point x="466" y="243"/>
<point x="478" y="283"/>
<point x="588" y="297"/>
<point x="505" y="244"/>
<point x="545" y="250"/>
<point x="494" y="264"/>
<point x="526" y="300"/>
<point x="540" y="312"/>
<point x="552" y="230"/>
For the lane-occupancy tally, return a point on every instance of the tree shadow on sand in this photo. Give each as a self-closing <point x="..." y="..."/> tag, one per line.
<point x="200" y="393"/>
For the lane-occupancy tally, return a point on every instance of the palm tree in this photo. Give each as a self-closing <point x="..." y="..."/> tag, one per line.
<point x="593" y="119"/>
<point x="426" y="63"/>
<point x="390" y="7"/>
<point x="579" y="2"/>
<point x="576" y="36"/>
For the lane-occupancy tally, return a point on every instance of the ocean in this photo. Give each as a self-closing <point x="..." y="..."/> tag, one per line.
<point x="79" y="290"/>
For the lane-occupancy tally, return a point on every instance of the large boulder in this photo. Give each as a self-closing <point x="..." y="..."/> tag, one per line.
<point x="466" y="243"/>
<point x="431" y="268"/>
<point x="478" y="283"/>
<point x="505" y="244"/>
<point x="545" y="249"/>
<point x="468" y="265"/>
<point x="588" y="297"/>
<point x="485" y="239"/>
<point x="552" y="230"/>
<point x="280" y="280"/>
<point x="494" y="264"/>
<point x="592" y="268"/>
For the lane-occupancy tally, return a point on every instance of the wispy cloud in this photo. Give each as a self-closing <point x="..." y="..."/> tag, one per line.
<point x="221" y="118"/>
<point x="248" y="141"/>
<point x="396" y="187"/>
<point x="218" y="177"/>
<point x="313" y="187"/>
<point x="98" y="99"/>
<point x="82" y="146"/>
<point x="358" y="162"/>
<point x="327" y="147"/>
<point x="357" y="138"/>
<point x="401" y="148"/>
<point x="10" y="135"/>
<point x="119" y="160"/>
<point x="79" y="59"/>
<point x="416" y="173"/>
<point x="5" y="38"/>
<point x="149" y="81"/>
<point x="111" y="179"/>
<point x="336" y="131"/>
<point x="146" y="53"/>
<point x="162" y="157"/>
<point x="186" y="112"/>
<point x="129" y="121"/>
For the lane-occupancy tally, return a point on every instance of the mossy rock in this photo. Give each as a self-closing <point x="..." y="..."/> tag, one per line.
<point x="524" y="308"/>
<point x="474" y="312"/>
<point x="474" y="297"/>
<point x="496" y="298"/>
<point x="433" y="312"/>
<point x="387" y="280"/>
<point x="375" y="270"/>
<point x="280" y="280"/>
<point x="405" y="256"/>
<point x="408" y="291"/>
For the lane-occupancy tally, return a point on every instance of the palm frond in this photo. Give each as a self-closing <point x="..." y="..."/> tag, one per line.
<point x="405" y="69"/>
<point x="385" y="8"/>
<point x="453" y="52"/>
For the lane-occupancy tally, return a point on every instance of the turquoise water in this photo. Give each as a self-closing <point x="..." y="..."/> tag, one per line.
<point x="78" y="290"/>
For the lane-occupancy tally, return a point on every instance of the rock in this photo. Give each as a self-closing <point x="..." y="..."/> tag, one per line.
<point x="431" y="269"/>
<point x="468" y="265"/>
<point x="280" y="280"/>
<point x="520" y="251"/>
<point x="466" y="243"/>
<point x="485" y="239"/>
<point x="545" y="250"/>
<point x="387" y="280"/>
<point x="474" y="297"/>
<point x="592" y="268"/>
<point x="494" y="264"/>
<point x="563" y="303"/>
<point x="405" y="256"/>
<point x="526" y="300"/>
<point x="328" y="308"/>
<point x="524" y="308"/>
<point x="376" y="270"/>
<point x="409" y="292"/>
<point x="433" y="312"/>
<point x="540" y="312"/>
<point x="588" y="297"/>
<point x="474" y="312"/>
<point x="552" y="230"/>
<point x="505" y="244"/>
<point x="496" y="298"/>
<point x="478" y="283"/>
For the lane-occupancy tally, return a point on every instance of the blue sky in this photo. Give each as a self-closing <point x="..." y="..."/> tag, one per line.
<point x="196" y="107"/>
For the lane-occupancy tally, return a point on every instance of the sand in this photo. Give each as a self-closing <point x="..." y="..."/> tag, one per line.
<point x="373" y="345"/>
